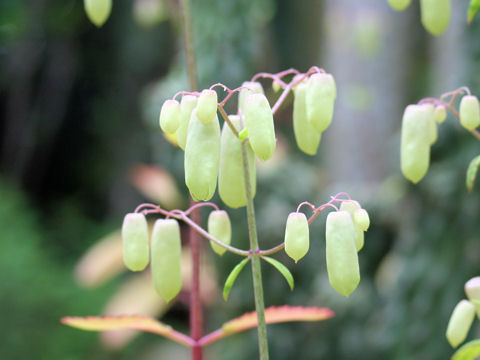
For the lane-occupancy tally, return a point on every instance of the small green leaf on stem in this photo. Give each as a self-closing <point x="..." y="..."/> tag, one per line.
<point x="472" y="172"/>
<point x="233" y="276"/>
<point x="473" y="9"/>
<point x="469" y="351"/>
<point x="283" y="270"/>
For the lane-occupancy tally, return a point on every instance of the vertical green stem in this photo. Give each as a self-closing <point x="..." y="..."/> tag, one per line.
<point x="256" y="266"/>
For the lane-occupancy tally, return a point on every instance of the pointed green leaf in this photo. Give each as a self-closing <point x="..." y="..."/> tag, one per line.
<point x="233" y="276"/>
<point x="473" y="9"/>
<point x="469" y="351"/>
<point x="472" y="172"/>
<point x="283" y="270"/>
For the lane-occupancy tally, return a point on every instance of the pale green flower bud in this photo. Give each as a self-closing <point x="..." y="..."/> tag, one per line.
<point x="460" y="322"/>
<point x="297" y="238"/>
<point x="166" y="258"/>
<point x="219" y="227"/>
<point x="136" y="247"/>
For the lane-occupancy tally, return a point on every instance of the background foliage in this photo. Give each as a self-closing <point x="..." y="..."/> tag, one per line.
<point x="79" y="109"/>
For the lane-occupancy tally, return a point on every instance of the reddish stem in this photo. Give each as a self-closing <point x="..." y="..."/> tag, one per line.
<point x="196" y="314"/>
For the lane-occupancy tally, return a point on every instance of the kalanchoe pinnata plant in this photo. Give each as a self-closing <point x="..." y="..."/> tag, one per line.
<point x="419" y="131"/>
<point x="228" y="157"/>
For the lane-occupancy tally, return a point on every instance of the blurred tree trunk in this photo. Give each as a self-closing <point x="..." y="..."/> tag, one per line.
<point x="367" y="49"/>
<point x="449" y="67"/>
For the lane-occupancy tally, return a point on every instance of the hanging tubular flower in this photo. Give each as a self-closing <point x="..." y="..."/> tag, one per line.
<point x="166" y="258"/>
<point x="170" y="116"/>
<point x="306" y="136"/>
<point x="98" y="11"/>
<point x="415" y="142"/>
<point x="202" y="157"/>
<point x="351" y="207"/>
<point x="341" y="253"/>
<point x="187" y="104"/>
<point x="207" y="106"/>
<point x="460" y="322"/>
<point x="136" y="247"/>
<point x="320" y="100"/>
<point x="399" y="5"/>
<point x="469" y="112"/>
<point x="435" y="15"/>
<point x="259" y="123"/>
<point x="297" y="238"/>
<point x="219" y="227"/>
<point x="231" y="184"/>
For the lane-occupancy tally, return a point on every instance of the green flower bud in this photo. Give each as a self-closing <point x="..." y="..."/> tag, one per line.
<point x="297" y="238"/>
<point x="415" y="142"/>
<point x="306" y="136"/>
<point x="207" y="106"/>
<point x="231" y="185"/>
<point x="440" y="114"/>
<point x="435" y="15"/>
<point x="187" y="105"/>
<point x="98" y="11"/>
<point x="170" y="116"/>
<point x="136" y="247"/>
<point x="460" y="322"/>
<point x="342" y="259"/>
<point x="433" y="130"/>
<point x="202" y="157"/>
<point x="361" y="219"/>
<point x="472" y="289"/>
<point x="248" y="88"/>
<point x="276" y="86"/>
<point x="399" y="5"/>
<point x="259" y="123"/>
<point x="352" y="206"/>
<point x="166" y="258"/>
<point x="219" y="227"/>
<point x="320" y="100"/>
<point x="469" y="112"/>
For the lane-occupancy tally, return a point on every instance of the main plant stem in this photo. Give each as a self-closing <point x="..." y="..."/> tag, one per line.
<point x="196" y="313"/>
<point x="256" y="266"/>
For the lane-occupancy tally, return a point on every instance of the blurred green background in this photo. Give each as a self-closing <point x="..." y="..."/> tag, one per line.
<point x="79" y="109"/>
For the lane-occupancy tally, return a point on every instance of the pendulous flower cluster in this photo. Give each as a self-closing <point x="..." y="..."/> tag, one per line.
<point x="215" y="156"/>
<point x="419" y="129"/>
<point x="344" y="237"/>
